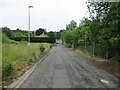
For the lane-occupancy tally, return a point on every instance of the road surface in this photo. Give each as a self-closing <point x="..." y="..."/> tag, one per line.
<point x="65" y="69"/>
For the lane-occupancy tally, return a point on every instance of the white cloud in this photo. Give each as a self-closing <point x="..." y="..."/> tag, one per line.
<point x="48" y="14"/>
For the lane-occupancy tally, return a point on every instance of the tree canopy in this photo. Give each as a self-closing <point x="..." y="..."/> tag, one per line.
<point x="40" y="31"/>
<point x="100" y="31"/>
<point x="72" y="25"/>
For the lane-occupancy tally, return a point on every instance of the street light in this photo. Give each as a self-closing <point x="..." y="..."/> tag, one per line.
<point x="29" y="24"/>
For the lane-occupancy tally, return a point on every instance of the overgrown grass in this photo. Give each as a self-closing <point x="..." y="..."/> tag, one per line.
<point x="90" y="56"/>
<point x="16" y="56"/>
<point x="5" y="39"/>
<point x="86" y="54"/>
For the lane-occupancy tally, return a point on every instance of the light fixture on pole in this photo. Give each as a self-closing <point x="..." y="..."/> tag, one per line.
<point x="29" y="24"/>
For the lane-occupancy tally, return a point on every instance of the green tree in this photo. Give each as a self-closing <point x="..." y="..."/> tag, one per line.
<point x="7" y="31"/>
<point x="51" y="34"/>
<point x="40" y="31"/>
<point x="100" y="33"/>
<point x="72" y="25"/>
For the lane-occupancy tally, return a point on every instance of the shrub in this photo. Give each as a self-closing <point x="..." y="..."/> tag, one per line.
<point x="7" y="70"/>
<point x="19" y="38"/>
<point x="35" y="39"/>
<point x="42" y="49"/>
<point x="52" y="45"/>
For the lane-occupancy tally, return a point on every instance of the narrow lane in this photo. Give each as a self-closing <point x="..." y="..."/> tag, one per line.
<point x="65" y="69"/>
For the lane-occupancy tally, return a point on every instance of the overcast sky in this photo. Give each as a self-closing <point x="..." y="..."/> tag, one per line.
<point x="52" y="15"/>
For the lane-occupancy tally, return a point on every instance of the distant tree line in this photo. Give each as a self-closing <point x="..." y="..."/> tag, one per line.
<point x="15" y="33"/>
<point x="98" y="34"/>
<point x="23" y="33"/>
<point x="52" y="34"/>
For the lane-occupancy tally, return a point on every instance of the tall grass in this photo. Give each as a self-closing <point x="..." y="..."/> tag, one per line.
<point x="16" y="56"/>
<point x="5" y="39"/>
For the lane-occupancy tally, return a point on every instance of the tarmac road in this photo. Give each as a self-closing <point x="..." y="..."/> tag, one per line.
<point x="65" y="69"/>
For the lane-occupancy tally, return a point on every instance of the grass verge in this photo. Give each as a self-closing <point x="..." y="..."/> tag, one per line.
<point x="17" y="58"/>
<point x="107" y="65"/>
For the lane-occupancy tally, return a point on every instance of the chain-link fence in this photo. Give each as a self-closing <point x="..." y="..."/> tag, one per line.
<point x="96" y="49"/>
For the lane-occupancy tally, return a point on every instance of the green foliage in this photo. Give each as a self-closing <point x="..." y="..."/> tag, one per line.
<point x="70" y="36"/>
<point x="14" y="33"/>
<point x="40" y="31"/>
<point x="52" y="34"/>
<point x="57" y="35"/>
<point x="7" y="70"/>
<point x="100" y="33"/>
<point x="42" y="49"/>
<point x="16" y="57"/>
<point x="51" y="46"/>
<point x="71" y="26"/>
<point x="5" y="39"/>
<point x="19" y="33"/>
<point x="19" y="38"/>
<point x="7" y="31"/>
<point x="35" y="39"/>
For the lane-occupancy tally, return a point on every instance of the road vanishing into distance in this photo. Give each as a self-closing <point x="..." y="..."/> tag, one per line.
<point x="63" y="68"/>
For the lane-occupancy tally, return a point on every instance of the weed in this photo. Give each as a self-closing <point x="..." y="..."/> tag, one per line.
<point x="16" y="57"/>
<point x="7" y="70"/>
<point x="42" y="49"/>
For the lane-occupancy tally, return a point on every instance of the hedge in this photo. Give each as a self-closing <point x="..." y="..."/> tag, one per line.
<point x="35" y="39"/>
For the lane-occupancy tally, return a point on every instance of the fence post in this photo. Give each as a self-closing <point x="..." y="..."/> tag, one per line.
<point x="107" y="51"/>
<point x="85" y="46"/>
<point x="93" y="45"/>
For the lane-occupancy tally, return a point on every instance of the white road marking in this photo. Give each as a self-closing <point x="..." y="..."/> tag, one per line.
<point x="105" y="81"/>
<point x="25" y="77"/>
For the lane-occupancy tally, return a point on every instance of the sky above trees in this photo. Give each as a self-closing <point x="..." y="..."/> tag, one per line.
<point x="52" y="15"/>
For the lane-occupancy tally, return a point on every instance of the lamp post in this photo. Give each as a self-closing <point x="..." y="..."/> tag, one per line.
<point x="29" y="24"/>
